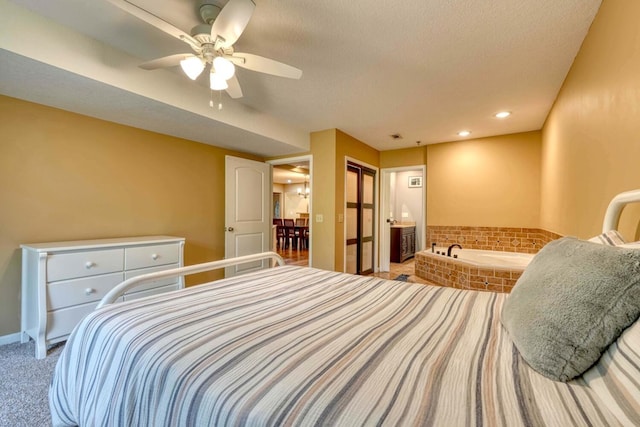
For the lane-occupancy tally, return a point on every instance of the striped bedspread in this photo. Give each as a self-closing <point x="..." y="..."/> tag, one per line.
<point x="301" y="346"/>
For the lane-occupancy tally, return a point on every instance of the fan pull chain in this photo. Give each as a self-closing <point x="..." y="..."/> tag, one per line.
<point x="219" y="100"/>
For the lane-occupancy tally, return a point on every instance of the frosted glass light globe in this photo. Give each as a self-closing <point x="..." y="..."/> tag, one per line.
<point x="217" y="82"/>
<point x="192" y="66"/>
<point x="224" y="67"/>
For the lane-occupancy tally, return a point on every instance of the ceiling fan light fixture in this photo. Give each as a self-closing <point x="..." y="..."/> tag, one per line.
<point x="217" y="82"/>
<point x="224" y="67"/>
<point x="192" y="67"/>
<point x="225" y="21"/>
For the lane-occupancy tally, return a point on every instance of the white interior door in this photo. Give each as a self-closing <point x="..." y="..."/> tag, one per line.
<point x="247" y="212"/>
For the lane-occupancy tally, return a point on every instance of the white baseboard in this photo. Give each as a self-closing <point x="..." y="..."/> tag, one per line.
<point x="10" y="339"/>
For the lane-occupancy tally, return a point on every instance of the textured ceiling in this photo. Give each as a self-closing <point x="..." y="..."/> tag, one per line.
<point x="423" y="69"/>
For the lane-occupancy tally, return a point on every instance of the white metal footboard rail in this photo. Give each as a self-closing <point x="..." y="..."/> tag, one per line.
<point x="612" y="216"/>
<point x="117" y="291"/>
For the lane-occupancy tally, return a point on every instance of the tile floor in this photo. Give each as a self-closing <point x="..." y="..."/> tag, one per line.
<point x="396" y="269"/>
<point x="301" y="257"/>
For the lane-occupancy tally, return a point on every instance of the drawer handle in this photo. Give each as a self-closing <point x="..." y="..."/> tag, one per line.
<point x="154" y="256"/>
<point x="89" y="264"/>
<point x="89" y="291"/>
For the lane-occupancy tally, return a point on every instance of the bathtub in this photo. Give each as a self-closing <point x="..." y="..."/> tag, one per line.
<point x="472" y="269"/>
<point x="493" y="259"/>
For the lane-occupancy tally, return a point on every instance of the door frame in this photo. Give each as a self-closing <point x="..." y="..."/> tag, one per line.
<point x="288" y="160"/>
<point x="376" y="213"/>
<point x="385" y="195"/>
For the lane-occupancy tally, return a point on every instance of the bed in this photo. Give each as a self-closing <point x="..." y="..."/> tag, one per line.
<point x="301" y="346"/>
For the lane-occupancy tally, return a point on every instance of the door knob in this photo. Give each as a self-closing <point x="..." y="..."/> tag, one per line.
<point x="228" y="228"/>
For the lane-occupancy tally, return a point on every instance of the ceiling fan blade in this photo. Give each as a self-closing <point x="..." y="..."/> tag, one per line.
<point x="154" y="20"/>
<point x="231" y="21"/>
<point x="264" y="65"/>
<point x="234" y="89"/>
<point x="165" y="61"/>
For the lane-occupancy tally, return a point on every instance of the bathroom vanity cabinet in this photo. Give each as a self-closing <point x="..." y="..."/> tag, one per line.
<point x="403" y="242"/>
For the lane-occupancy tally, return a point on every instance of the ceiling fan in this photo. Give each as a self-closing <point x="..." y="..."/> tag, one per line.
<point x="212" y="44"/>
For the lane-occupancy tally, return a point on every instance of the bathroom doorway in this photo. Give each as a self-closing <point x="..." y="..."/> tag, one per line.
<point x="402" y="201"/>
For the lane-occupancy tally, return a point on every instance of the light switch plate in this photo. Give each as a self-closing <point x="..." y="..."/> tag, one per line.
<point x="340" y="217"/>
<point x="319" y="218"/>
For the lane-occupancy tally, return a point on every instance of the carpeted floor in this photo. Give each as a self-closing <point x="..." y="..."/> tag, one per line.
<point x="24" y="385"/>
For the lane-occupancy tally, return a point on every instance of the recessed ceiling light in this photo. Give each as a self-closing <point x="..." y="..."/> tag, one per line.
<point x="288" y="181"/>
<point x="503" y="114"/>
<point x="464" y="133"/>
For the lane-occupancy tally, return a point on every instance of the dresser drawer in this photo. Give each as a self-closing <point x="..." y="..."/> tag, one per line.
<point x="61" y="322"/>
<point x="135" y="295"/>
<point x="82" y="264"/>
<point x="155" y="283"/>
<point x="81" y="291"/>
<point x="148" y="256"/>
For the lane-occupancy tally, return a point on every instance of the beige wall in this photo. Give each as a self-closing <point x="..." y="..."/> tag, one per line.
<point x="329" y="148"/>
<point x="487" y="182"/>
<point x="323" y="149"/>
<point x="591" y="140"/>
<point x="64" y="176"/>
<point x="404" y="157"/>
<point x="294" y="204"/>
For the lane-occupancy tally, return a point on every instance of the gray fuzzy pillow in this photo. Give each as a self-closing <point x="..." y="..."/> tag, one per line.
<point x="573" y="300"/>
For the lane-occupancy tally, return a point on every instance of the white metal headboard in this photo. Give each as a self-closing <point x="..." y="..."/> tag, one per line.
<point x="612" y="216"/>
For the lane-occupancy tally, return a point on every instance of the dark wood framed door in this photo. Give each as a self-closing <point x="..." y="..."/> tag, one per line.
<point x="360" y="200"/>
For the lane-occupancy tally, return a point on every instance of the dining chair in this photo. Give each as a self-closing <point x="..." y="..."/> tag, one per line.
<point x="281" y="236"/>
<point x="302" y="232"/>
<point x="305" y="237"/>
<point x="290" y="230"/>
<point x="280" y="232"/>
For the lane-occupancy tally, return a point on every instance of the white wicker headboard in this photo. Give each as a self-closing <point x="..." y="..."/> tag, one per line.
<point x="612" y="216"/>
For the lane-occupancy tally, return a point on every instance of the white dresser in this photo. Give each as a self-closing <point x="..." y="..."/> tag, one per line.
<point x="63" y="281"/>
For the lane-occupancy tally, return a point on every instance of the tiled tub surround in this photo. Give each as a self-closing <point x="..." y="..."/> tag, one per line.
<point x="471" y="273"/>
<point x="505" y="239"/>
